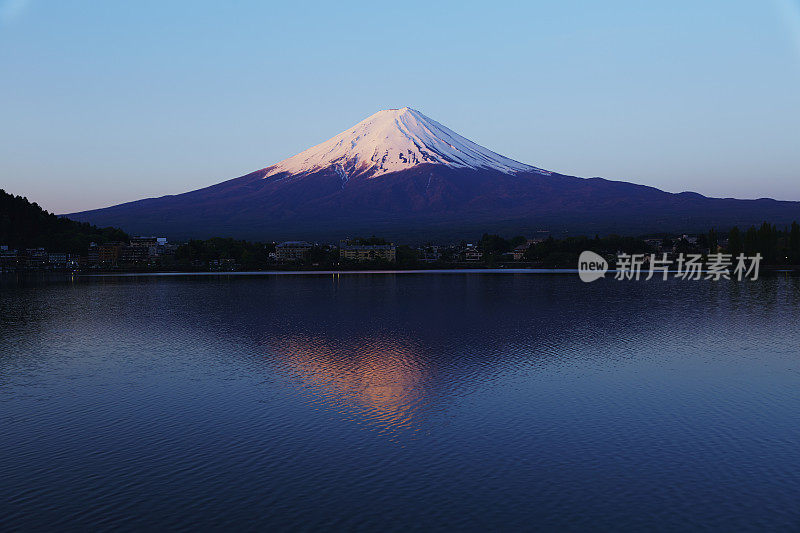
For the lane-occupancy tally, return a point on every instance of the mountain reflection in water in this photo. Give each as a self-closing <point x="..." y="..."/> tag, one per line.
<point x="399" y="401"/>
<point x="379" y="378"/>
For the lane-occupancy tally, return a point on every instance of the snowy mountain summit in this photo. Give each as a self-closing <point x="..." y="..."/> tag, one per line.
<point x="393" y="140"/>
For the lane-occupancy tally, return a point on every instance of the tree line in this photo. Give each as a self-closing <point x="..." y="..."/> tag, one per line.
<point x="24" y="224"/>
<point x="777" y="246"/>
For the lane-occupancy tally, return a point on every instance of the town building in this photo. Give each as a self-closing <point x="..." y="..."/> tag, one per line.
<point x="519" y="252"/>
<point x="292" y="251"/>
<point x="655" y="244"/>
<point x="60" y="260"/>
<point x="108" y="254"/>
<point x="471" y="253"/>
<point x="367" y="252"/>
<point x="430" y="254"/>
<point x="155" y="246"/>
<point x="134" y="255"/>
<point x="36" y="258"/>
<point x="144" y="241"/>
<point x="139" y="252"/>
<point x="93" y="254"/>
<point x="8" y="259"/>
<point x="222" y="265"/>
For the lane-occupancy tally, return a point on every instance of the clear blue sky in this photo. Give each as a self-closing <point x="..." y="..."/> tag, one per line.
<point x="105" y="102"/>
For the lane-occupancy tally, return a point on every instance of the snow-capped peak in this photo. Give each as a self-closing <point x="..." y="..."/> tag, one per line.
<point x="393" y="140"/>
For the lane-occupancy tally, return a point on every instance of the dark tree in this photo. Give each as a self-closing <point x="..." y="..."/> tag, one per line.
<point x="735" y="246"/>
<point x="26" y="225"/>
<point x="713" y="240"/>
<point x="794" y="244"/>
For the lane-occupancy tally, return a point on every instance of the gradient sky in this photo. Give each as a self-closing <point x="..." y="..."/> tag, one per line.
<point x="106" y="102"/>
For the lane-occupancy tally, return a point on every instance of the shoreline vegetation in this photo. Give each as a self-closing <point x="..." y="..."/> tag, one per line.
<point x="31" y="239"/>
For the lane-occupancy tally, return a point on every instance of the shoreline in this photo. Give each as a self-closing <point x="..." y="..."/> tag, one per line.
<point x="534" y="271"/>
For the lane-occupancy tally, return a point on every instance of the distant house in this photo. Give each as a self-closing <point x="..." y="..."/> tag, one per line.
<point x="36" y="258"/>
<point x="58" y="260"/>
<point x="144" y="241"/>
<point x="134" y="255"/>
<point x="113" y="254"/>
<point x="223" y="265"/>
<point x="93" y="254"/>
<point x="108" y="254"/>
<point x="430" y="253"/>
<point x="519" y="252"/>
<point x="8" y="259"/>
<point x="471" y="253"/>
<point x="367" y="252"/>
<point x="155" y="247"/>
<point x="292" y="251"/>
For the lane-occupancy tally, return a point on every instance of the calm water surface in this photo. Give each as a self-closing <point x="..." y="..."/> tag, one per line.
<point x="399" y="401"/>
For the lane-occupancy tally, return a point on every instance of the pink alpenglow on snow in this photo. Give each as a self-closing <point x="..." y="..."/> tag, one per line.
<point x="393" y="140"/>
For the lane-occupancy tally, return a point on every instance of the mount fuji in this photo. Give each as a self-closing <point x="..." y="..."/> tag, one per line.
<point x="400" y="174"/>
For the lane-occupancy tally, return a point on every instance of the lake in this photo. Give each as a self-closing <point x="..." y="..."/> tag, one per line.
<point x="399" y="401"/>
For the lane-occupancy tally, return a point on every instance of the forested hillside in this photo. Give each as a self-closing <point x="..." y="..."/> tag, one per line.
<point x="26" y="225"/>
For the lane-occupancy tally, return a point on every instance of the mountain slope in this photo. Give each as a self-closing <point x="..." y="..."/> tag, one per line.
<point x="401" y="174"/>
